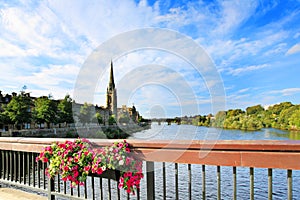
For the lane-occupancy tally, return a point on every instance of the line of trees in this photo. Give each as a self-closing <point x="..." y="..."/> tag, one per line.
<point x="284" y="115"/>
<point x="22" y="109"/>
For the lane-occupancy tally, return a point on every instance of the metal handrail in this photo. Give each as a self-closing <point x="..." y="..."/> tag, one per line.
<point x="17" y="165"/>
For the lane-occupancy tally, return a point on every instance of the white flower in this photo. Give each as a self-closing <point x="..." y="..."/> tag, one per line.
<point x="121" y="162"/>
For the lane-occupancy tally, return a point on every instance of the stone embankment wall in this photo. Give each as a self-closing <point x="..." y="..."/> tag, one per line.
<point x="84" y="132"/>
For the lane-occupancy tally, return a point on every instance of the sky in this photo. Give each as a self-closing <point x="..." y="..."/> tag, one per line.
<point x="254" y="47"/>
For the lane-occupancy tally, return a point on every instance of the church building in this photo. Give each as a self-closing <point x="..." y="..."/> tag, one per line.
<point x="111" y="101"/>
<point x="111" y="94"/>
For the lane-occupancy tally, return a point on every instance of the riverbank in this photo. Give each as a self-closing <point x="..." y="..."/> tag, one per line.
<point x="120" y="131"/>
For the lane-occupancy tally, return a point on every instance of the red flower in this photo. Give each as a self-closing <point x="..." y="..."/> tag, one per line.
<point x="99" y="171"/>
<point x="87" y="168"/>
<point x="76" y="174"/>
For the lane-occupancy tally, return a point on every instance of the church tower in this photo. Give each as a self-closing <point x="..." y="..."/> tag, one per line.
<point x="111" y="94"/>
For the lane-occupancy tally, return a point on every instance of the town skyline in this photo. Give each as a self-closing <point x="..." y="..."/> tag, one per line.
<point x="254" y="46"/>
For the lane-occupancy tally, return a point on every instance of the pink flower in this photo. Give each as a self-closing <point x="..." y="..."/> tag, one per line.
<point x="81" y="183"/>
<point x="120" y="145"/>
<point x="87" y="168"/>
<point x="76" y="173"/>
<point x="128" y="160"/>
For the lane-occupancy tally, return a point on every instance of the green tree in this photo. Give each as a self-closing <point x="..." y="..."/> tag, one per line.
<point x="277" y="108"/>
<point x="283" y="120"/>
<point x="64" y="110"/>
<point x="44" y="111"/>
<point x="235" y="112"/>
<point x="99" y="118"/>
<point x="4" y="119"/>
<point x="124" y="118"/>
<point x="294" y="120"/>
<point x="111" y="120"/>
<point x="19" y="109"/>
<point x="87" y="113"/>
<point x="254" y="110"/>
<point x="219" y="119"/>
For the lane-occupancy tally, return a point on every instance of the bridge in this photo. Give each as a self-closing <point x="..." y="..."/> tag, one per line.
<point x="182" y="166"/>
<point x="176" y="120"/>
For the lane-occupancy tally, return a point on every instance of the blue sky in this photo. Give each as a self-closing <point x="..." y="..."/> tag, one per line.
<point x="254" y="45"/>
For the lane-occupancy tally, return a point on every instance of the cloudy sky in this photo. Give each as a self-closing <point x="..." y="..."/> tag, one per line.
<point x="254" y="47"/>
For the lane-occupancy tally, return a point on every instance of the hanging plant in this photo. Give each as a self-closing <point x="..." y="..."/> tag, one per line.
<point x="75" y="160"/>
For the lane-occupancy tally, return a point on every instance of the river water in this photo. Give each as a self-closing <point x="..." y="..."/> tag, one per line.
<point x="188" y="132"/>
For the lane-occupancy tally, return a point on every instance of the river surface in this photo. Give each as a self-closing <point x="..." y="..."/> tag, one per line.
<point x="189" y="132"/>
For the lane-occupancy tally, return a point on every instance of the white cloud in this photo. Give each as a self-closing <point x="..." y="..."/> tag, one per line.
<point x="243" y="90"/>
<point x="100" y="20"/>
<point x="294" y="49"/>
<point x="244" y="70"/>
<point x="53" y="75"/>
<point x="233" y="14"/>
<point x="286" y="91"/>
<point x="8" y="49"/>
<point x="56" y="79"/>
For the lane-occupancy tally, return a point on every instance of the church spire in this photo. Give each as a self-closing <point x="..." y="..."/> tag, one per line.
<point x="111" y="84"/>
<point x="111" y="95"/>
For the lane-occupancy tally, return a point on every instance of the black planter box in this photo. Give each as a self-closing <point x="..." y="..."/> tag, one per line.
<point x="109" y="174"/>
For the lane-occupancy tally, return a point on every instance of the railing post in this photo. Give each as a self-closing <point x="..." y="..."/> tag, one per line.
<point x="251" y="183"/>
<point x="290" y="184"/>
<point x="203" y="183"/>
<point x="219" y="182"/>
<point x="50" y="188"/>
<point x="270" y="184"/>
<point x="150" y="180"/>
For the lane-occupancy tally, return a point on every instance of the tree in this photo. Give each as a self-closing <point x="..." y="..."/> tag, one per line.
<point x="283" y="120"/>
<point x="219" y="119"/>
<point x="235" y="112"/>
<point x="99" y="118"/>
<point x="111" y="120"/>
<point x="64" y="110"/>
<point x="4" y="119"/>
<point x="124" y="118"/>
<point x="277" y="108"/>
<point x="294" y="120"/>
<point x="254" y="110"/>
<point x="19" y="109"/>
<point x="86" y="113"/>
<point x="44" y="111"/>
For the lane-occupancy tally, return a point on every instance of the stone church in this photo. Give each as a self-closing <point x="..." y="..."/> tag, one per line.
<point x="111" y="101"/>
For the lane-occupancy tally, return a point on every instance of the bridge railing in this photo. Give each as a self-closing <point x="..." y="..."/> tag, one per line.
<point x="173" y="170"/>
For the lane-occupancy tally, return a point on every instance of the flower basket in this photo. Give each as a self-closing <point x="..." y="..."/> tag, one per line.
<point x="75" y="160"/>
<point x="110" y="174"/>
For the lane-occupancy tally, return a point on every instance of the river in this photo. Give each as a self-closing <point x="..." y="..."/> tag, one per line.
<point x="189" y="132"/>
